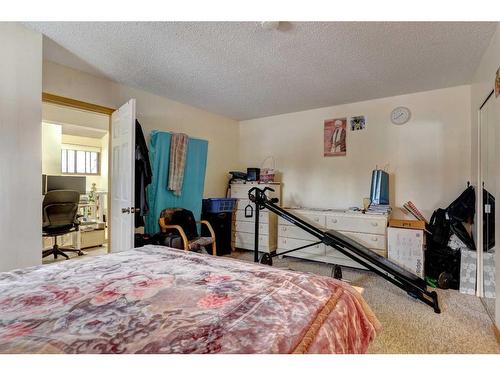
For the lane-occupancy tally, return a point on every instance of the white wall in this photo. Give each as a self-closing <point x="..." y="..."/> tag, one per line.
<point x="51" y="148"/>
<point x="20" y="147"/>
<point x="482" y="84"/>
<point x="155" y="112"/>
<point x="53" y="141"/>
<point x="58" y="114"/>
<point x="428" y="158"/>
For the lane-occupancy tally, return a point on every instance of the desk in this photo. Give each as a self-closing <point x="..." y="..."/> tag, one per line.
<point x="91" y="234"/>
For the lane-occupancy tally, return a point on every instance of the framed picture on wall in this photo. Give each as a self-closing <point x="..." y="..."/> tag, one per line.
<point x="334" y="141"/>
<point x="358" y="123"/>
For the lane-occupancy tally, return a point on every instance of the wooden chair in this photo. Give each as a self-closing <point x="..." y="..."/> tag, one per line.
<point x="193" y="244"/>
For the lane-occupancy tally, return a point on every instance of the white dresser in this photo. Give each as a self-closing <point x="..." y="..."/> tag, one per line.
<point x="243" y="229"/>
<point x="368" y="229"/>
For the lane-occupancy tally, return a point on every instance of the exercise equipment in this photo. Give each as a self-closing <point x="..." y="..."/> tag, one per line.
<point x="403" y="279"/>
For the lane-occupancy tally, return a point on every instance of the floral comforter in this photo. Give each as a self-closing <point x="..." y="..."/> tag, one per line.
<point x="160" y="300"/>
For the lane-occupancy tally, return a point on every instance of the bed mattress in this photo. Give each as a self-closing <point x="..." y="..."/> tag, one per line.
<point x="161" y="300"/>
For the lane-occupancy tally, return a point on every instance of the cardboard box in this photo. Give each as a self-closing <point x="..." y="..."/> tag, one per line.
<point x="406" y="248"/>
<point x="410" y="224"/>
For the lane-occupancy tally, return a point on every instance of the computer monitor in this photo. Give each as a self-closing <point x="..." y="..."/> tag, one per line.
<point x="77" y="183"/>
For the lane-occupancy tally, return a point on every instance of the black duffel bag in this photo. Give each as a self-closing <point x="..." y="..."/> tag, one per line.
<point x="167" y="239"/>
<point x="442" y="265"/>
<point x="440" y="229"/>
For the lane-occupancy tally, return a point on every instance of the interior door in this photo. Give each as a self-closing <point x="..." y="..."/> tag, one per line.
<point x="122" y="177"/>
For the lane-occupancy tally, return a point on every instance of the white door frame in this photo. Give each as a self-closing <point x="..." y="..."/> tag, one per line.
<point x="479" y="202"/>
<point x="479" y="210"/>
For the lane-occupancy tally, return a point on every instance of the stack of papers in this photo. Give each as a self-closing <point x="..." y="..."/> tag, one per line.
<point x="381" y="209"/>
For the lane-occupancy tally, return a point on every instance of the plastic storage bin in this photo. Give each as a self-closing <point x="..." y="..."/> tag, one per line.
<point x="219" y="205"/>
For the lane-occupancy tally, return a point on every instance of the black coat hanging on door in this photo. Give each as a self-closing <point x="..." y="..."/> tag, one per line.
<point x="143" y="175"/>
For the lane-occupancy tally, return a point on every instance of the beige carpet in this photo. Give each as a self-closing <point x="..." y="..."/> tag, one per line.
<point x="410" y="326"/>
<point x="91" y="251"/>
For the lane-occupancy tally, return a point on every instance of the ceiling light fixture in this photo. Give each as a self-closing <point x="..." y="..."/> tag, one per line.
<point x="270" y="25"/>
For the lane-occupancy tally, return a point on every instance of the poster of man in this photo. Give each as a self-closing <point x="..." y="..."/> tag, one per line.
<point x="335" y="137"/>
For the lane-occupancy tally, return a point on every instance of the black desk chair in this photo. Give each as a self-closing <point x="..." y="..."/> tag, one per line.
<point x="60" y="216"/>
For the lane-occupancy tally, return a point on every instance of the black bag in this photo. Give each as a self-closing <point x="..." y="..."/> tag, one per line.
<point x="443" y="265"/>
<point x="142" y="239"/>
<point x="173" y="240"/>
<point x="464" y="207"/>
<point x="459" y="230"/>
<point x="439" y="226"/>
<point x="185" y="219"/>
<point x="167" y="239"/>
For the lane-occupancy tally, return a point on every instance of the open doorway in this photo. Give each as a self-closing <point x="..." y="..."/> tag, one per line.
<point x="75" y="156"/>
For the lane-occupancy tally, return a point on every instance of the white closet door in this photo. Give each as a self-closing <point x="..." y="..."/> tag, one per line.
<point x="122" y="177"/>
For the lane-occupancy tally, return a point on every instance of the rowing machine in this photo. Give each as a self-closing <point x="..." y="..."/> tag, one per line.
<point x="410" y="283"/>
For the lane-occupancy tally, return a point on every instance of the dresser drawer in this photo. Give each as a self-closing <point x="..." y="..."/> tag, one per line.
<point x="249" y="227"/>
<point x="303" y="255"/>
<point x="292" y="243"/>
<point x="357" y="224"/>
<point x="371" y="241"/>
<point x="242" y="203"/>
<point x="241" y="190"/>
<point x="247" y="240"/>
<point x="335" y="255"/>
<point x="292" y="231"/>
<point x="317" y="220"/>
<point x="239" y="215"/>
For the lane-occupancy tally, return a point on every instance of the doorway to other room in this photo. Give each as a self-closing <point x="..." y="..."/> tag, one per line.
<point x="75" y="157"/>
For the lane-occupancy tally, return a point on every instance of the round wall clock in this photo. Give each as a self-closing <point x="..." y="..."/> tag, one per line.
<point x="400" y="115"/>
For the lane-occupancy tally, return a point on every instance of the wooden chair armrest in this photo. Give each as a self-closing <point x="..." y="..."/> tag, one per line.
<point x="209" y="226"/>
<point x="212" y="234"/>
<point x="164" y="227"/>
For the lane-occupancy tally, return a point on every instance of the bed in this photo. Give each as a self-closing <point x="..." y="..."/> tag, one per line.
<point x="160" y="300"/>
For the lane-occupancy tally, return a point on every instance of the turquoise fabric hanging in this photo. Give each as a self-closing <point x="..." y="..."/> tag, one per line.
<point x="194" y="178"/>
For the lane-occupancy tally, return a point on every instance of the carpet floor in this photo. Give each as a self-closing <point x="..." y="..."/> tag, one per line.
<point x="409" y="326"/>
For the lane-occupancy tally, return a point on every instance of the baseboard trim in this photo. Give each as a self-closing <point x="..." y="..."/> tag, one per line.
<point x="497" y="332"/>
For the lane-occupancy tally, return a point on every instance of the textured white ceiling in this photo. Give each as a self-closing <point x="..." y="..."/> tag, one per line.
<point x="242" y="71"/>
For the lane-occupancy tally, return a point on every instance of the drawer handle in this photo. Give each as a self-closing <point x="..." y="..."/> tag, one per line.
<point x="316" y="219"/>
<point x="334" y="220"/>
<point x="374" y="224"/>
<point x="374" y="239"/>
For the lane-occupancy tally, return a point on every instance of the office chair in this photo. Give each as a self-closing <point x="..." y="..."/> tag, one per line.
<point x="60" y="216"/>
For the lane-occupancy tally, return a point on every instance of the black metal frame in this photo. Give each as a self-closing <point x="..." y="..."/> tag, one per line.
<point x="410" y="283"/>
